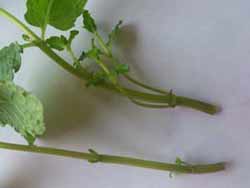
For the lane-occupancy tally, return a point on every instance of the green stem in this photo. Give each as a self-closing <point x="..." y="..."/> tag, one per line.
<point x="147" y="105"/>
<point x="103" y="45"/>
<point x="72" y="55"/>
<point x="18" y="23"/>
<point x="136" y="82"/>
<point x="28" y="45"/>
<point x="104" y="68"/>
<point x="85" y="75"/>
<point x="44" y="27"/>
<point x="95" y="157"/>
<point x="109" y="54"/>
<point x="180" y="101"/>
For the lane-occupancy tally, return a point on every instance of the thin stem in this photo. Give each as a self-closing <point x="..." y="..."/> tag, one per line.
<point x="109" y="54"/>
<point x="103" y="45"/>
<point x="113" y="79"/>
<point x="22" y="26"/>
<point x="104" y="67"/>
<point x="28" y="45"/>
<point x="136" y="82"/>
<point x="44" y="27"/>
<point x="72" y="55"/>
<point x="95" y="157"/>
<point x="147" y="105"/>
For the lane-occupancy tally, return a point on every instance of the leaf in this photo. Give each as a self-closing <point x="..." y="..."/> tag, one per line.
<point x="58" y="43"/>
<point x="89" y="22"/>
<point x="10" y="61"/>
<point x="114" y="33"/>
<point x="72" y="36"/>
<point x="60" y="14"/>
<point x="82" y="56"/>
<point x="21" y="110"/>
<point x="94" y="53"/>
<point x="121" y="69"/>
<point x="26" y="37"/>
<point x="98" y="78"/>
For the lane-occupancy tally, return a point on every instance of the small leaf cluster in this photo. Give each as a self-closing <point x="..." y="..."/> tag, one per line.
<point x="61" y="43"/>
<point x="22" y="110"/>
<point x="104" y="49"/>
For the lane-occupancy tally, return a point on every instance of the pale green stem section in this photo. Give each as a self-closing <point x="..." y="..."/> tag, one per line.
<point x="103" y="45"/>
<point x="28" y="45"/>
<point x="95" y="157"/>
<point x="128" y="77"/>
<point x="46" y="21"/>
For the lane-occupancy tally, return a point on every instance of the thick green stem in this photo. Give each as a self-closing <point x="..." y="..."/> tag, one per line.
<point x="95" y="157"/>
<point x="180" y="101"/>
<point x="197" y="105"/>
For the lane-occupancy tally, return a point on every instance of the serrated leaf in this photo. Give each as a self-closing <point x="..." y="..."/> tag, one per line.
<point x="89" y="22"/>
<point x="21" y="110"/>
<point x="10" y="61"/>
<point x="60" y="14"/>
<point x="58" y="43"/>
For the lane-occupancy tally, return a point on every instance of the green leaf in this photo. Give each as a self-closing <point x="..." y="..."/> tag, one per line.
<point x="180" y="162"/>
<point x="26" y="37"/>
<point x="114" y="33"/>
<point x="58" y="43"/>
<point x="72" y="36"/>
<point x="94" y="53"/>
<point x="60" y="14"/>
<point x="121" y="69"/>
<point x="82" y="56"/>
<point x="21" y="110"/>
<point x="89" y="22"/>
<point x="10" y="61"/>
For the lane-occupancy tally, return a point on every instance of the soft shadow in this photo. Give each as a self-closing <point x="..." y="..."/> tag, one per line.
<point x="26" y="177"/>
<point x="68" y="105"/>
<point x="126" y="47"/>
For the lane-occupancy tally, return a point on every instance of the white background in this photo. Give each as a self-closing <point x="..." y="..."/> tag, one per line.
<point x="200" y="49"/>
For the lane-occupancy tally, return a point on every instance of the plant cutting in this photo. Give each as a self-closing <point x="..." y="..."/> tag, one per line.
<point x="24" y="112"/>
